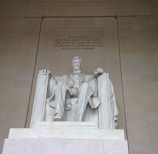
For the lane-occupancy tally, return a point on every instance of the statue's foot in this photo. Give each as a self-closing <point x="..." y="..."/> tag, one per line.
<point x="57" y="117"/>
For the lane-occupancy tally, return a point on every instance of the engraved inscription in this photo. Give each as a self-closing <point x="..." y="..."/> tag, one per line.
<point x="78" y="42"/>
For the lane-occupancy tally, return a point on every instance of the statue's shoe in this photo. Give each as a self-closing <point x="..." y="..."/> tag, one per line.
<point x="57" y="117"/>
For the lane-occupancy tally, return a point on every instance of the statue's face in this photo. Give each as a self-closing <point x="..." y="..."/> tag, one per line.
<point x="76" y="64"/>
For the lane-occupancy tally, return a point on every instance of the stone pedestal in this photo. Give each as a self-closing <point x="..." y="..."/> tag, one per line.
<point x="67" y="138"/>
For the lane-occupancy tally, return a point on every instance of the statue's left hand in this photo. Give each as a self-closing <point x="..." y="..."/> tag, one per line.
<point x="99" y="71"/>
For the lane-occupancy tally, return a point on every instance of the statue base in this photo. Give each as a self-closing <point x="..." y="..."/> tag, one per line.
<point x="65" y="137"/>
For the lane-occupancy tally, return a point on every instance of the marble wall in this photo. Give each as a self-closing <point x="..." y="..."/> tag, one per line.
<point x="128" y="51"/>
<point x="56" y="8"/>
<point x="139" y="53"/>
<point x="18" y="46"/>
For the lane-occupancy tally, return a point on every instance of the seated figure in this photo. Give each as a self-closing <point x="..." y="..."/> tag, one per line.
<point x="75" y="95"/>
<point x="75" y="88"/>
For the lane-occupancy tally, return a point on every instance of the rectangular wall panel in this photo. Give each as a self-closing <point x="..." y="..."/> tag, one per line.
<point x="139" y="60"/>
<point x="93" y="39"/>
<point x="18" y="46"/>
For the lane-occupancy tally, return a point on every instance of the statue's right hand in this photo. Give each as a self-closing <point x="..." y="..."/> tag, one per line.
<point x="69" y="83"/>
<point x="45" y="71"/>
<point x="74" y="92"/>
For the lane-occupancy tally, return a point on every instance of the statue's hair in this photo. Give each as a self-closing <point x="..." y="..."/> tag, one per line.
<point x="76" y="59"/>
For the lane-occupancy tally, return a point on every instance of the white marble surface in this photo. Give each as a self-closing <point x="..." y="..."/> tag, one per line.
<point x="93" y="94"/>
<point x="66" y="146"/>
<point x="84" y="133"/>
<point x="67" y="124"/>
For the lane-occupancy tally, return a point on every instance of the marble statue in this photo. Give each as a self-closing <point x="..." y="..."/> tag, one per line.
<point x="75" y="97"/>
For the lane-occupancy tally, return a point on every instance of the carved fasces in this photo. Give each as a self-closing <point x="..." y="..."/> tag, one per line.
<point x="40" y="97"/>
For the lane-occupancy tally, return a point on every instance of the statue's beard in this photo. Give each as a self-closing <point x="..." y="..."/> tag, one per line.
<point x="76" y="71"/>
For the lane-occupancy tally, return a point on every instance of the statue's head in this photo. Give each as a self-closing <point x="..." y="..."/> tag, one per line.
<point x="76" y="63"/>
